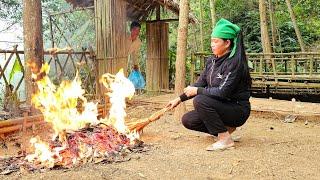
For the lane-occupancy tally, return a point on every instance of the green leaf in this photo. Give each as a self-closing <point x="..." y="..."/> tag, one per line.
<point x="17" y="67"/>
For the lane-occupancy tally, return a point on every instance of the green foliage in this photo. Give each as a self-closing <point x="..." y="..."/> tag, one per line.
<point x="11" y="10"/>
<point x="246" y="15"/>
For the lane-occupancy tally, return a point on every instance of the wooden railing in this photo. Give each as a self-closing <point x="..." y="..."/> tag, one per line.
<point x="280" y="73"/>
<point x="64" y="65"/>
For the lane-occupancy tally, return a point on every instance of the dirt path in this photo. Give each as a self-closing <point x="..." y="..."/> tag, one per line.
<point x="268" y="149"/>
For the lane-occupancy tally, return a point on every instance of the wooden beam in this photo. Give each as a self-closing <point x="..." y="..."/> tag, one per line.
<point x="158" y="14"/>
<point x="163" y="20"/>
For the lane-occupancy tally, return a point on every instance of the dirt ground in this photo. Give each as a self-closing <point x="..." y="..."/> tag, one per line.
<point x="268" y="149"/>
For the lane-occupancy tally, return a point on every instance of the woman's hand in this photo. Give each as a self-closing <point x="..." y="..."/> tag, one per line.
<point x="172" y="104"/>
<point x="190" y="91"/>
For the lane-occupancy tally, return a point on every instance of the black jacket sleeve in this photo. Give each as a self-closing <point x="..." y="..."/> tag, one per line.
<point x="225" y="88"/>
<point x="201" y="81"/>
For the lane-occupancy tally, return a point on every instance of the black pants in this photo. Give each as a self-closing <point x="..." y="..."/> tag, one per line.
<point x="212" y="115"/>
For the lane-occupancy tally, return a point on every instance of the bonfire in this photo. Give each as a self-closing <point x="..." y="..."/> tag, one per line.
<point x="79" y="136"/>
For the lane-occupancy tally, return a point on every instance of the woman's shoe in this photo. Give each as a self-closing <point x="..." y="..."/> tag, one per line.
<point x="234" y="138"/>
<point x="220" y="146"/>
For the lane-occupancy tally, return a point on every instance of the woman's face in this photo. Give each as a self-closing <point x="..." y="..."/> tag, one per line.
<point x="219" y="46"/>
<point x="135" y="33"/>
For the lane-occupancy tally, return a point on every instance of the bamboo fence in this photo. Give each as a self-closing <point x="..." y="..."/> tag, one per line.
<point x="281" y="73"/>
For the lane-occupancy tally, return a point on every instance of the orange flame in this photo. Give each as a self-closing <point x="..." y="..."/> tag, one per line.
<point x="60" y="107"/>
<point x="120" y="88"/>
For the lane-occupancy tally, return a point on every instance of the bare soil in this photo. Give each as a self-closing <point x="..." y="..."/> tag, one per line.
<point x="268" y="149"/>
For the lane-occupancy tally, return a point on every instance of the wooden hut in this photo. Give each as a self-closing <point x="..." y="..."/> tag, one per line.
<point x="111" y="28"/>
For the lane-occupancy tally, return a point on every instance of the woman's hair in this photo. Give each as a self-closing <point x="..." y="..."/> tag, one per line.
<point x="231" y="43"/>
<point x="135" y="24"/>
<point x="239" y="59"/>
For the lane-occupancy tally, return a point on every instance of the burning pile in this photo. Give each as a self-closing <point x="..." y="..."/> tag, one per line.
<point x="79" y="136"/>
<point x="96" y="144"/>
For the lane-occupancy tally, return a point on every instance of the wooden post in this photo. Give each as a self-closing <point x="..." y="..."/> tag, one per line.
<point x="311" y="65"/>
<point x="261" y="65"/>
<point x="274" y="68"/>
<point x="255" y="65"/>
<point x="292" y="65"/>
<point x="193" y="64"/>
<point x="286" y="66"/>
<point x="315" y="65"/>
<point x="51" y="31"/>
<point x="158" y="13"/>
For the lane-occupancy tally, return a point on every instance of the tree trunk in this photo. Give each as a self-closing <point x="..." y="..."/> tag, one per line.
<point x="33" y="42"/>
<point x="201" y="26"/>
<point x="181" y="56"/>
<point x="296" y="28"/>
<point x="213" y="12"/>
<point x="265" y="40"/>
<point x="273" y="25"/>
<point x="201" y="33"/>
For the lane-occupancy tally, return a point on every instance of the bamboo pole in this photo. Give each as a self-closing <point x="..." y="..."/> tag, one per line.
<point x="193" y="68"/>
<point x="295" y="26"/>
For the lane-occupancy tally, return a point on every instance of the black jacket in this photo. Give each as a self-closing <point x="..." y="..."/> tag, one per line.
<point x="220" y="81"/>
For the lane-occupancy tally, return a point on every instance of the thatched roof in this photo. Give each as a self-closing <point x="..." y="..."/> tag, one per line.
<point x="139" y="9"/>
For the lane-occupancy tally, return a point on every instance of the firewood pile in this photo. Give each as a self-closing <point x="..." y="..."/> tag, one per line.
<point x="96" y="144"/>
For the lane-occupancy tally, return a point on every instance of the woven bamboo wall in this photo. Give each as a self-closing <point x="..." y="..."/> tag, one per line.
<point x="111" y="37"/>
<point x="157" y="64"/>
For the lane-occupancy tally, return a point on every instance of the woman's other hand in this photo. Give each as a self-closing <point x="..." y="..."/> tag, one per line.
<point x="190" y="91"/>
<point x="172" y="104"/>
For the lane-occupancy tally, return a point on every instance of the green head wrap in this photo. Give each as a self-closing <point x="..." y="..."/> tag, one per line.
<point x="224" y="29"/>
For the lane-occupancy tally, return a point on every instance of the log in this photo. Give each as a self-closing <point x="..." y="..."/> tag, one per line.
<point x="19" y="120"/>
<point x="13" y="128"/>
<point x="23" y="123"/>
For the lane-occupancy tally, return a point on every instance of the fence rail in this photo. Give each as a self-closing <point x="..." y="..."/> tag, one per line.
<point x="277" y="73"/>
<point x="64" y="65"/>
